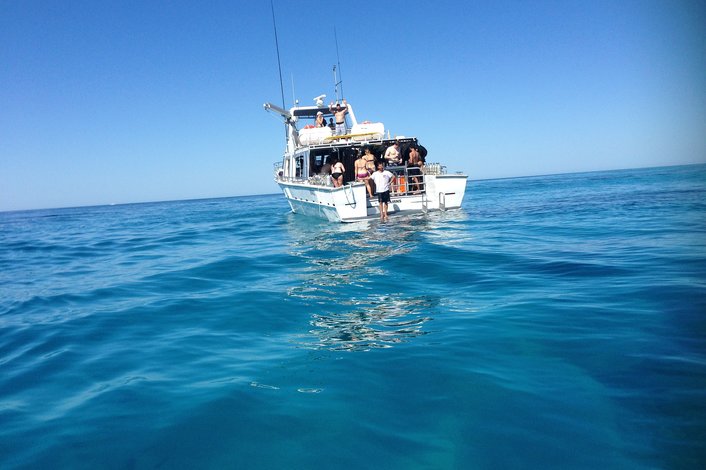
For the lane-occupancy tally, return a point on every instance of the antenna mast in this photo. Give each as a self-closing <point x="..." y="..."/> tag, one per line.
<point x="335" y="83"/>
<point x="338" y="61"/>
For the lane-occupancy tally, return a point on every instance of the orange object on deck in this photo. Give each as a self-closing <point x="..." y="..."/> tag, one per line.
<point x="401" y="184"/>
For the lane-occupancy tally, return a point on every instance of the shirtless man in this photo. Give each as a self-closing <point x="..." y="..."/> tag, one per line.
<point x="415" y="166"/>
<point x="362" y="171"/>
<point x="392" y="154"/>
<point x="339" y="112"/>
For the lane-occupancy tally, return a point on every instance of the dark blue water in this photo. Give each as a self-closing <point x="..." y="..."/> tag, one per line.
<point x="553" y="322"/>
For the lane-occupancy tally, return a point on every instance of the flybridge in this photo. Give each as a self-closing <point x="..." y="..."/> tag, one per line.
<point x="302" y="132"/>
<point x="308" y="111"/>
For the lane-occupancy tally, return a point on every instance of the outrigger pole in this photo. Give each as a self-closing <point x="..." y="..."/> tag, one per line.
<point x="279" y="63"/>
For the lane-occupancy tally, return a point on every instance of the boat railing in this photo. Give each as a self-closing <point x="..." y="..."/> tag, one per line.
<point x="434" y="169"/>
<point x="314" y="180"/>
<point x="320" y="180"/>
<point x="410" y="180"/>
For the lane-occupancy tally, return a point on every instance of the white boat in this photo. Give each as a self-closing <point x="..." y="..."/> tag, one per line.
<point x="310" y="148"/>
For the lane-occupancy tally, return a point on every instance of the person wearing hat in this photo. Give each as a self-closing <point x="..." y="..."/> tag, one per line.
<point x="320" y="121"/>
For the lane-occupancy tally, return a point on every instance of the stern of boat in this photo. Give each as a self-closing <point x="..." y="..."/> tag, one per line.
<point x="345" y="204"/>
<point x="446" y="191"/>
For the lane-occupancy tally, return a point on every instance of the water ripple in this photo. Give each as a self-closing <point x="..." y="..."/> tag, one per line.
<point x="560" y="316"/>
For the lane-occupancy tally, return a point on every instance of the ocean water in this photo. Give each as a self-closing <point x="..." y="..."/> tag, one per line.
<point x="552" y="322"/>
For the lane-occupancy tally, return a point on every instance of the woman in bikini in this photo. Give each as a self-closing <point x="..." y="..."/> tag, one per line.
<point x="370" y="165"/>
<point x="362" y="170"/>
<point x="337" y="171"/>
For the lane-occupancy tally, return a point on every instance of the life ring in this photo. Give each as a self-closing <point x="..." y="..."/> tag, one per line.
<point x="309" y="126"/>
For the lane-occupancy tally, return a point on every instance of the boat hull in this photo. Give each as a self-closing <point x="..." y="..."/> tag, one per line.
<point x="350" y="203"/>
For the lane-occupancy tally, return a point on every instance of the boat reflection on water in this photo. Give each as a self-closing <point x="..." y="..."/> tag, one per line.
<point x="355" y="301"/>
<point x="386" y="322"/>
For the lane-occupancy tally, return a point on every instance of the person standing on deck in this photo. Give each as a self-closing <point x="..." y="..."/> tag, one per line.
<point x="382" y="179"/>
<point x="337" y="171"/>
<point x="362" y="173"/>
<point x="339" y="112"/>
<point x="415" y="165"/>
<point x="392" y="154"/>
<point x="369" y="160"/>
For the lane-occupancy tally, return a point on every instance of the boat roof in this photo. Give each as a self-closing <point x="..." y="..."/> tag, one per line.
<point x="311" y="111"/>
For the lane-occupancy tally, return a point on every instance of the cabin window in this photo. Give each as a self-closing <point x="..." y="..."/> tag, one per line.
<point x="317" y="162"/>
<point x="320" y="160"/>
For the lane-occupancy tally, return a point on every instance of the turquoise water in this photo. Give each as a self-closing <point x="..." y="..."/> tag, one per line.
<point x="553" y="322"/>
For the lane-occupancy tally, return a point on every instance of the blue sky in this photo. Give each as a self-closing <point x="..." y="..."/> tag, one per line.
<point x="131" y="101"/>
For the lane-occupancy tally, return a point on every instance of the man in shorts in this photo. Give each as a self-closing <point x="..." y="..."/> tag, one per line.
<point x="382" y="179"/>
<point x="414" y="167"/>
<point x="339" y="112"/>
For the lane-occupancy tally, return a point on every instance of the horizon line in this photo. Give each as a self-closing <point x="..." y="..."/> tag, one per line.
<point x="162" y="201"/>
